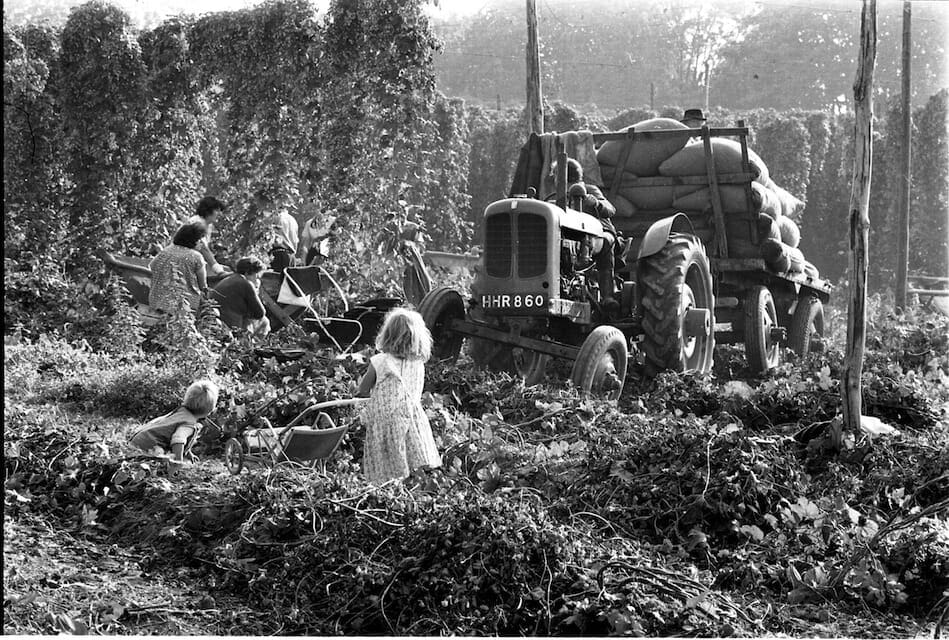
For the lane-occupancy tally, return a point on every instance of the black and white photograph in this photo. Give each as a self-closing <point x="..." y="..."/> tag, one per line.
<point x="578" y="318"/>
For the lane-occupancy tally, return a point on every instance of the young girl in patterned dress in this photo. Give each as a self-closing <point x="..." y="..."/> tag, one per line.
<point x="398" y="436"/>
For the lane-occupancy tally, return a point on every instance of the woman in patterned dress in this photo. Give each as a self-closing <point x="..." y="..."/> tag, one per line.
<point x="398" y="435"/>
<point x="179" y="276"/>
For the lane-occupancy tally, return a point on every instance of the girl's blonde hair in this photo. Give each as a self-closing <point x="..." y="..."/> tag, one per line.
<point x="404" y="335"/>
<point x="201" y="397"/>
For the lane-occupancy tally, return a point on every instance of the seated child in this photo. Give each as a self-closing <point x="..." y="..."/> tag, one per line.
<point x="178" y="429"/>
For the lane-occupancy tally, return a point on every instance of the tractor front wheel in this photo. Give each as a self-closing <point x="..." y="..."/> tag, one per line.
<point x="438" y="309"/>
<point x="600" y="367"/>
<point x="678" y="307"/>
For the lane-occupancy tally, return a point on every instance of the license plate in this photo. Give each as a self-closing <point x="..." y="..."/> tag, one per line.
<point x="514" y="301"/>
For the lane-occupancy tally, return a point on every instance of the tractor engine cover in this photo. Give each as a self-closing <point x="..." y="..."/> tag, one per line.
<point x="528" y="246"/>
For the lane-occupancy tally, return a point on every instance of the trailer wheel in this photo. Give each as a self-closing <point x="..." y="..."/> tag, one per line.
<point x="761" y="320"/>
<point x="678" y="307"/>
<point x="530" y="365"/>
<point x="234" y="456"/>
<point x="600" y="367"/>
<point x="807" y="325"/>
<point x="438" y="309"/>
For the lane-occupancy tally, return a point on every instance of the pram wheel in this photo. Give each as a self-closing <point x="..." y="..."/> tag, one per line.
<point x="234" y="456"/>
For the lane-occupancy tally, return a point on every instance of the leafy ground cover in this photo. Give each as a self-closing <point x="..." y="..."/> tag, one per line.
<point x="698" y="506"/>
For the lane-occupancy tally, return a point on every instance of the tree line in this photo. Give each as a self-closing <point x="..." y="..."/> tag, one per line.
<point x="112" y="134"/>
<point x="774" y="54"/>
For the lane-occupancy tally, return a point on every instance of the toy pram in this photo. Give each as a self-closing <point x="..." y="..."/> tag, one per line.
<point x="296" y="443"/>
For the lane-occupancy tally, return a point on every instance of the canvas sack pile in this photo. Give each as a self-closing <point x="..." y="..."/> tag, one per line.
<point x="684" y="156"/>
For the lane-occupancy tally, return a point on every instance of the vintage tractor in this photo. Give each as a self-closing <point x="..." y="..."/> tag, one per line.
<point x="536" y="297"/>
<point x="536" y="294"/>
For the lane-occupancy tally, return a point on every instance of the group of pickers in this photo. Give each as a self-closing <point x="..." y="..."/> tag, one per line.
<point x="398" y="440"/>
<point x="182" y="271"/>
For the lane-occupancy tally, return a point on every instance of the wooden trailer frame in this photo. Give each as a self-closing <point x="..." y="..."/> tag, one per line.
<point x="733" y="277"/>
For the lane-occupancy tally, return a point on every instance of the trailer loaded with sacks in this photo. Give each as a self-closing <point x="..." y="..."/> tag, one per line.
<point x="707" y="251"/>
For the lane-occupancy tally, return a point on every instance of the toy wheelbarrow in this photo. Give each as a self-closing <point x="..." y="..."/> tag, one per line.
<point x="296" y="443"/>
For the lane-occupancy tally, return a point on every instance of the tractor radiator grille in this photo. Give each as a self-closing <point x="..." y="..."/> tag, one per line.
<point x="531" y="245"/>
<point x="497" y="245"/>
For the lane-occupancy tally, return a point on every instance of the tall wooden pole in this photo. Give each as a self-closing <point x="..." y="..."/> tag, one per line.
<point x="535" y="107"/>
<point x="859" y="225"/>
<point x="708" y="84"/>
<point x="902" y="243"/>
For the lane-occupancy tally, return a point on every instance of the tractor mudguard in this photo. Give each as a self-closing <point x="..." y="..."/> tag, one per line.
<point x="657" y="236"/>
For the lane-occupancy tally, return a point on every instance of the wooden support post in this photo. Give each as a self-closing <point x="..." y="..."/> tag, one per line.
<point x="708" y="84"/>
<point x="720" y="243"/>
<point x="749" y="193"/>
<point x="851" y="385"/>
<point x="652" y="96"/>
<point x="561" y="177"/>
<point x="902" y="237"/>
<point x="535" y="105"/>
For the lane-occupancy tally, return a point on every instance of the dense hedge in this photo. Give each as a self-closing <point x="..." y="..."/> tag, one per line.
<point x="111" y="135"/>
<point x="114" y="134"/>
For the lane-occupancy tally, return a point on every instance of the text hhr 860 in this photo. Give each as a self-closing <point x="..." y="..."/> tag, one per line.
<point x="505" y="301"/>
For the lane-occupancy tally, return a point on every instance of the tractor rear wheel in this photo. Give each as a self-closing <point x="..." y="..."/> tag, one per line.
<point x="807" y="325"/>
<point x="600" y="367"/>
<point x="761" y="318"/>
<point x="438" y="309"/>
<point x="678" y="307"/>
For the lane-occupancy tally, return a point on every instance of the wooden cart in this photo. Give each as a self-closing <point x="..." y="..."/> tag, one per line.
<point x="754" y="304"/>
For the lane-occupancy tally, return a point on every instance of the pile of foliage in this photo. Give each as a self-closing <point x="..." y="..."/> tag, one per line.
<point x="670" y="514"/>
